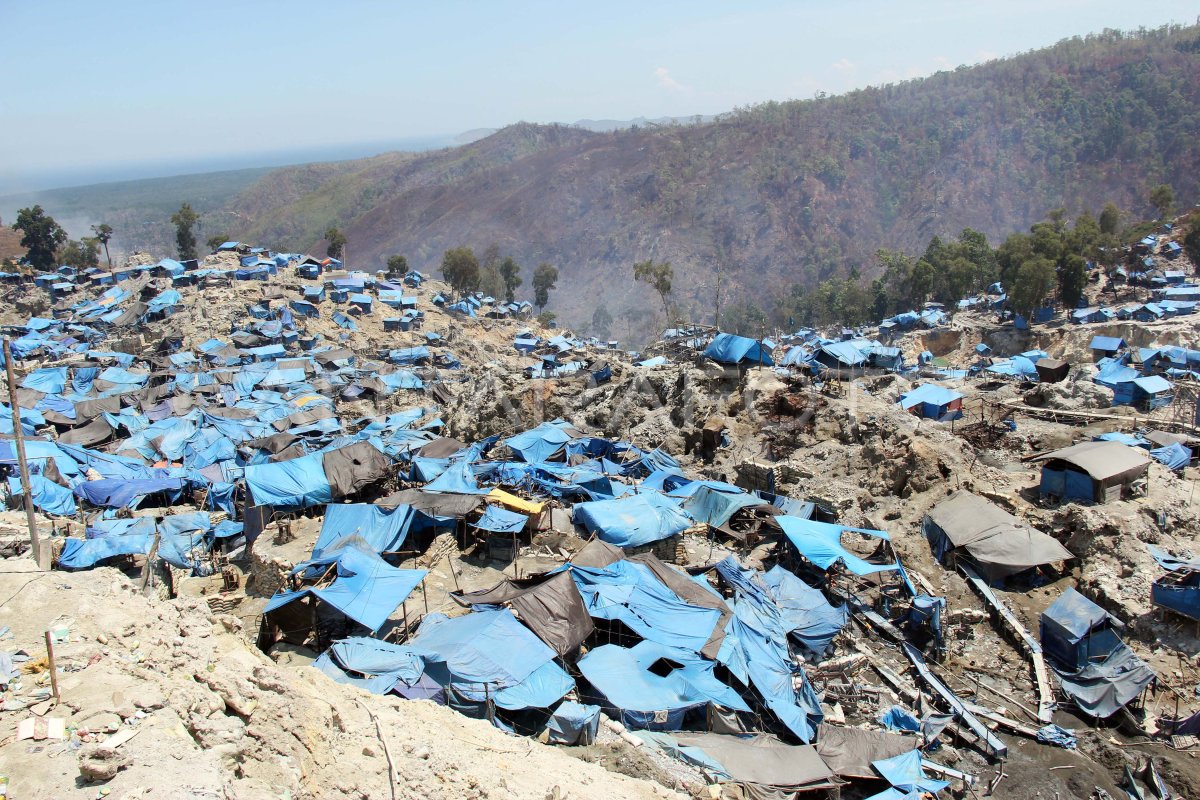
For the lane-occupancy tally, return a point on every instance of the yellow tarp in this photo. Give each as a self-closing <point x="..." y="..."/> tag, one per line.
<point x="514" y="503"/>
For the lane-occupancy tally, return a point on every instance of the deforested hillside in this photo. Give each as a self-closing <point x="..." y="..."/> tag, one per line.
<point x="781" y="193"/>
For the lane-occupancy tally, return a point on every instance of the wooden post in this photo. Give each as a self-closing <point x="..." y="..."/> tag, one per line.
<point x="22" y="464"/>
<point x="49" y="642"/>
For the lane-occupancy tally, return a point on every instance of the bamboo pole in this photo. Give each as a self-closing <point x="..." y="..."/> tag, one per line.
<point x="22" y="464"/>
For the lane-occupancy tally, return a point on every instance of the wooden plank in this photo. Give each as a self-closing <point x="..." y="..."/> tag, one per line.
<point x="1033" y="648"/>
<point x="995" y="746"/>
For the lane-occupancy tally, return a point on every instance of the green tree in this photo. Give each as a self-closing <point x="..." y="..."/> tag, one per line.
<point x="546" y="318"/>
<point x="658" y="276"/>
<point x="41" y="236"/>
<point x="602" y="322"/>
<point x="510" y="273"/>
<point x="216" y="241"/>
<point x="397" y="265"/>
<point x="1191" y="243"/>
<point x="80" y="254"/>
<point x="185" y="220"/>
<point x="922" y="282"/>
<point x="1162" y="197"/>
<point x="1072" y="280"/>
<point x="460" y="268"/>
<point x="1034" y="280"/>
<point x="104" y="233"/>
<point x="337" y="243"/>
<point x="545" y="278"/>
<point x="1110" y="219"/>
<point x="745" y="319"/>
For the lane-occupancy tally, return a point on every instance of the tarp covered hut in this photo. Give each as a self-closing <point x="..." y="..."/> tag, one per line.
<point x="998" y="544"/>
<point x="1092" y="471"/>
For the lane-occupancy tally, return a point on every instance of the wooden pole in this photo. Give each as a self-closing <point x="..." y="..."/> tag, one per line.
<point x="49" y="645"/>
<point x="22" y="464"/>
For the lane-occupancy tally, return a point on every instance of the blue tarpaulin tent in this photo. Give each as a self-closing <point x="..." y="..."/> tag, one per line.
<point x="489" y="655"/>
<point x="500" y="520"/>
<point x="933" y="402"/>
<point x="295" y="483"/>
<point x="367" y="589"/>
<point x="623" y="681"/>
<point x="729" y="348"/>
<point x="633" y="520"/>
<point x="383" y="529"/>
<point x="821" y="544"/>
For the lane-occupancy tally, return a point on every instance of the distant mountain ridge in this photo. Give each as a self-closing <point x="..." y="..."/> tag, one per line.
<point x="777" y="194"/>
<point x="596" y="126"/>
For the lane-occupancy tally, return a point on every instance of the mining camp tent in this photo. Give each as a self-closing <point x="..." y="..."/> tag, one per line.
<point x="633" y="520"/>
<point x="1052" y="370"/>
<point x="933" y="402"/>
<point x="1097" y="670"/>
<point x="1092" y="471"/>
<point x="728" y="348"/>
<point x="998" y="544"/>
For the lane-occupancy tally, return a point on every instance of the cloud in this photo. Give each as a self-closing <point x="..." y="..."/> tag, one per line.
<point x="844" y="65"/>
<point x="667" y="82"/>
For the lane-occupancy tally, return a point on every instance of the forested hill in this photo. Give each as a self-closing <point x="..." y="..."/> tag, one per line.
<point x="781" y="193"/>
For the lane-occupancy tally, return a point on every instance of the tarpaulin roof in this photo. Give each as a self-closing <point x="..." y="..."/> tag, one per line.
<point x="543" y="442"/>
<point x="929" y="393"/>
<point x="716" y="506"/>
<point x="810" y="617"/>
<point x="367" y="589"/>
<point x="763" y="761"/>
<point x="295" y="483"/>
<point x="1101" y="688"/>
<point x="552" y="608"/>
<point x="999" y="542"/>
<point x="1174" y="456"/>
<point x="383" y="529"/>
<point x="1106" y="343"/>
<point x="1074" y="616"/>
<point x="633" y="520"/>
<point x="125" y="492"/>
<point x="728" y="348"/>
<point x="845" y="353"/>
<point x="623" y="677"/>
<point x="492" y="648"/>
<point x="498" y="520"/>
<point x="1104" y="461"/>
<point x="651" y="598"/>
<point x="820" y="543"/>
<point x="755" y="649"/>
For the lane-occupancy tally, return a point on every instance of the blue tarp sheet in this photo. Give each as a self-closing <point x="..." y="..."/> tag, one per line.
<point x="820" y="543"/>
<point x="728" y="348"/>
<point x="810" y="617"/>
<point x="126" y="492"/>
<point x="295" y="483"/>
<point x="633" y="520"/>
<point x="491" y="648"/>
<point x="51" y="380"/>
<point x="383" y="529"/>
<point x="539" y="444"/>
<point x="1174" y="456"/>
<point x="624" y="682"/>
<point x="367" y="589"/>
<point x="500" y="520"/>
<point x="755" y="649"/>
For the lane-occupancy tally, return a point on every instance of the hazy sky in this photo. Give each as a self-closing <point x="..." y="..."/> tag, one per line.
<point x="112" y="85"/>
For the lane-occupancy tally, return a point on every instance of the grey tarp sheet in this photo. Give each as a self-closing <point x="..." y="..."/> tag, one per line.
<point x="765" y="761"/>
<point x="90" y="409"/>
<point x="92" y="433"/>
<point x="553" y="609"/>
<point x="350" y="468"/>
<point x="1107" y="462"/>
<point x="303" y="418"/>
<point x="999" y="542"/>
<point x="850" y="751"/>
<point x="435" y="504"/>
<point x="1101" y="689"/>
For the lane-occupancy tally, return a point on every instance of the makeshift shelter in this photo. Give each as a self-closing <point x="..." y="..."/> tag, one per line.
<point x="654" y="686"/>
<point x="728" y="348"/>
<point x="365" y="588"/>
<point x="551" y="607"/>
<point x="1178" y="589"/>
<point x="1097" y="670"/>
<point x="1096" y="471"/>
<point x="999" y="545"/>
<point x="1106" y="347"/>
<point x="1151" y="392"/>
<point x="633" y="520"/>
<point x="933" y="402"/>
<point x="758" y="766"/>
<point x="821" y="545"/>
